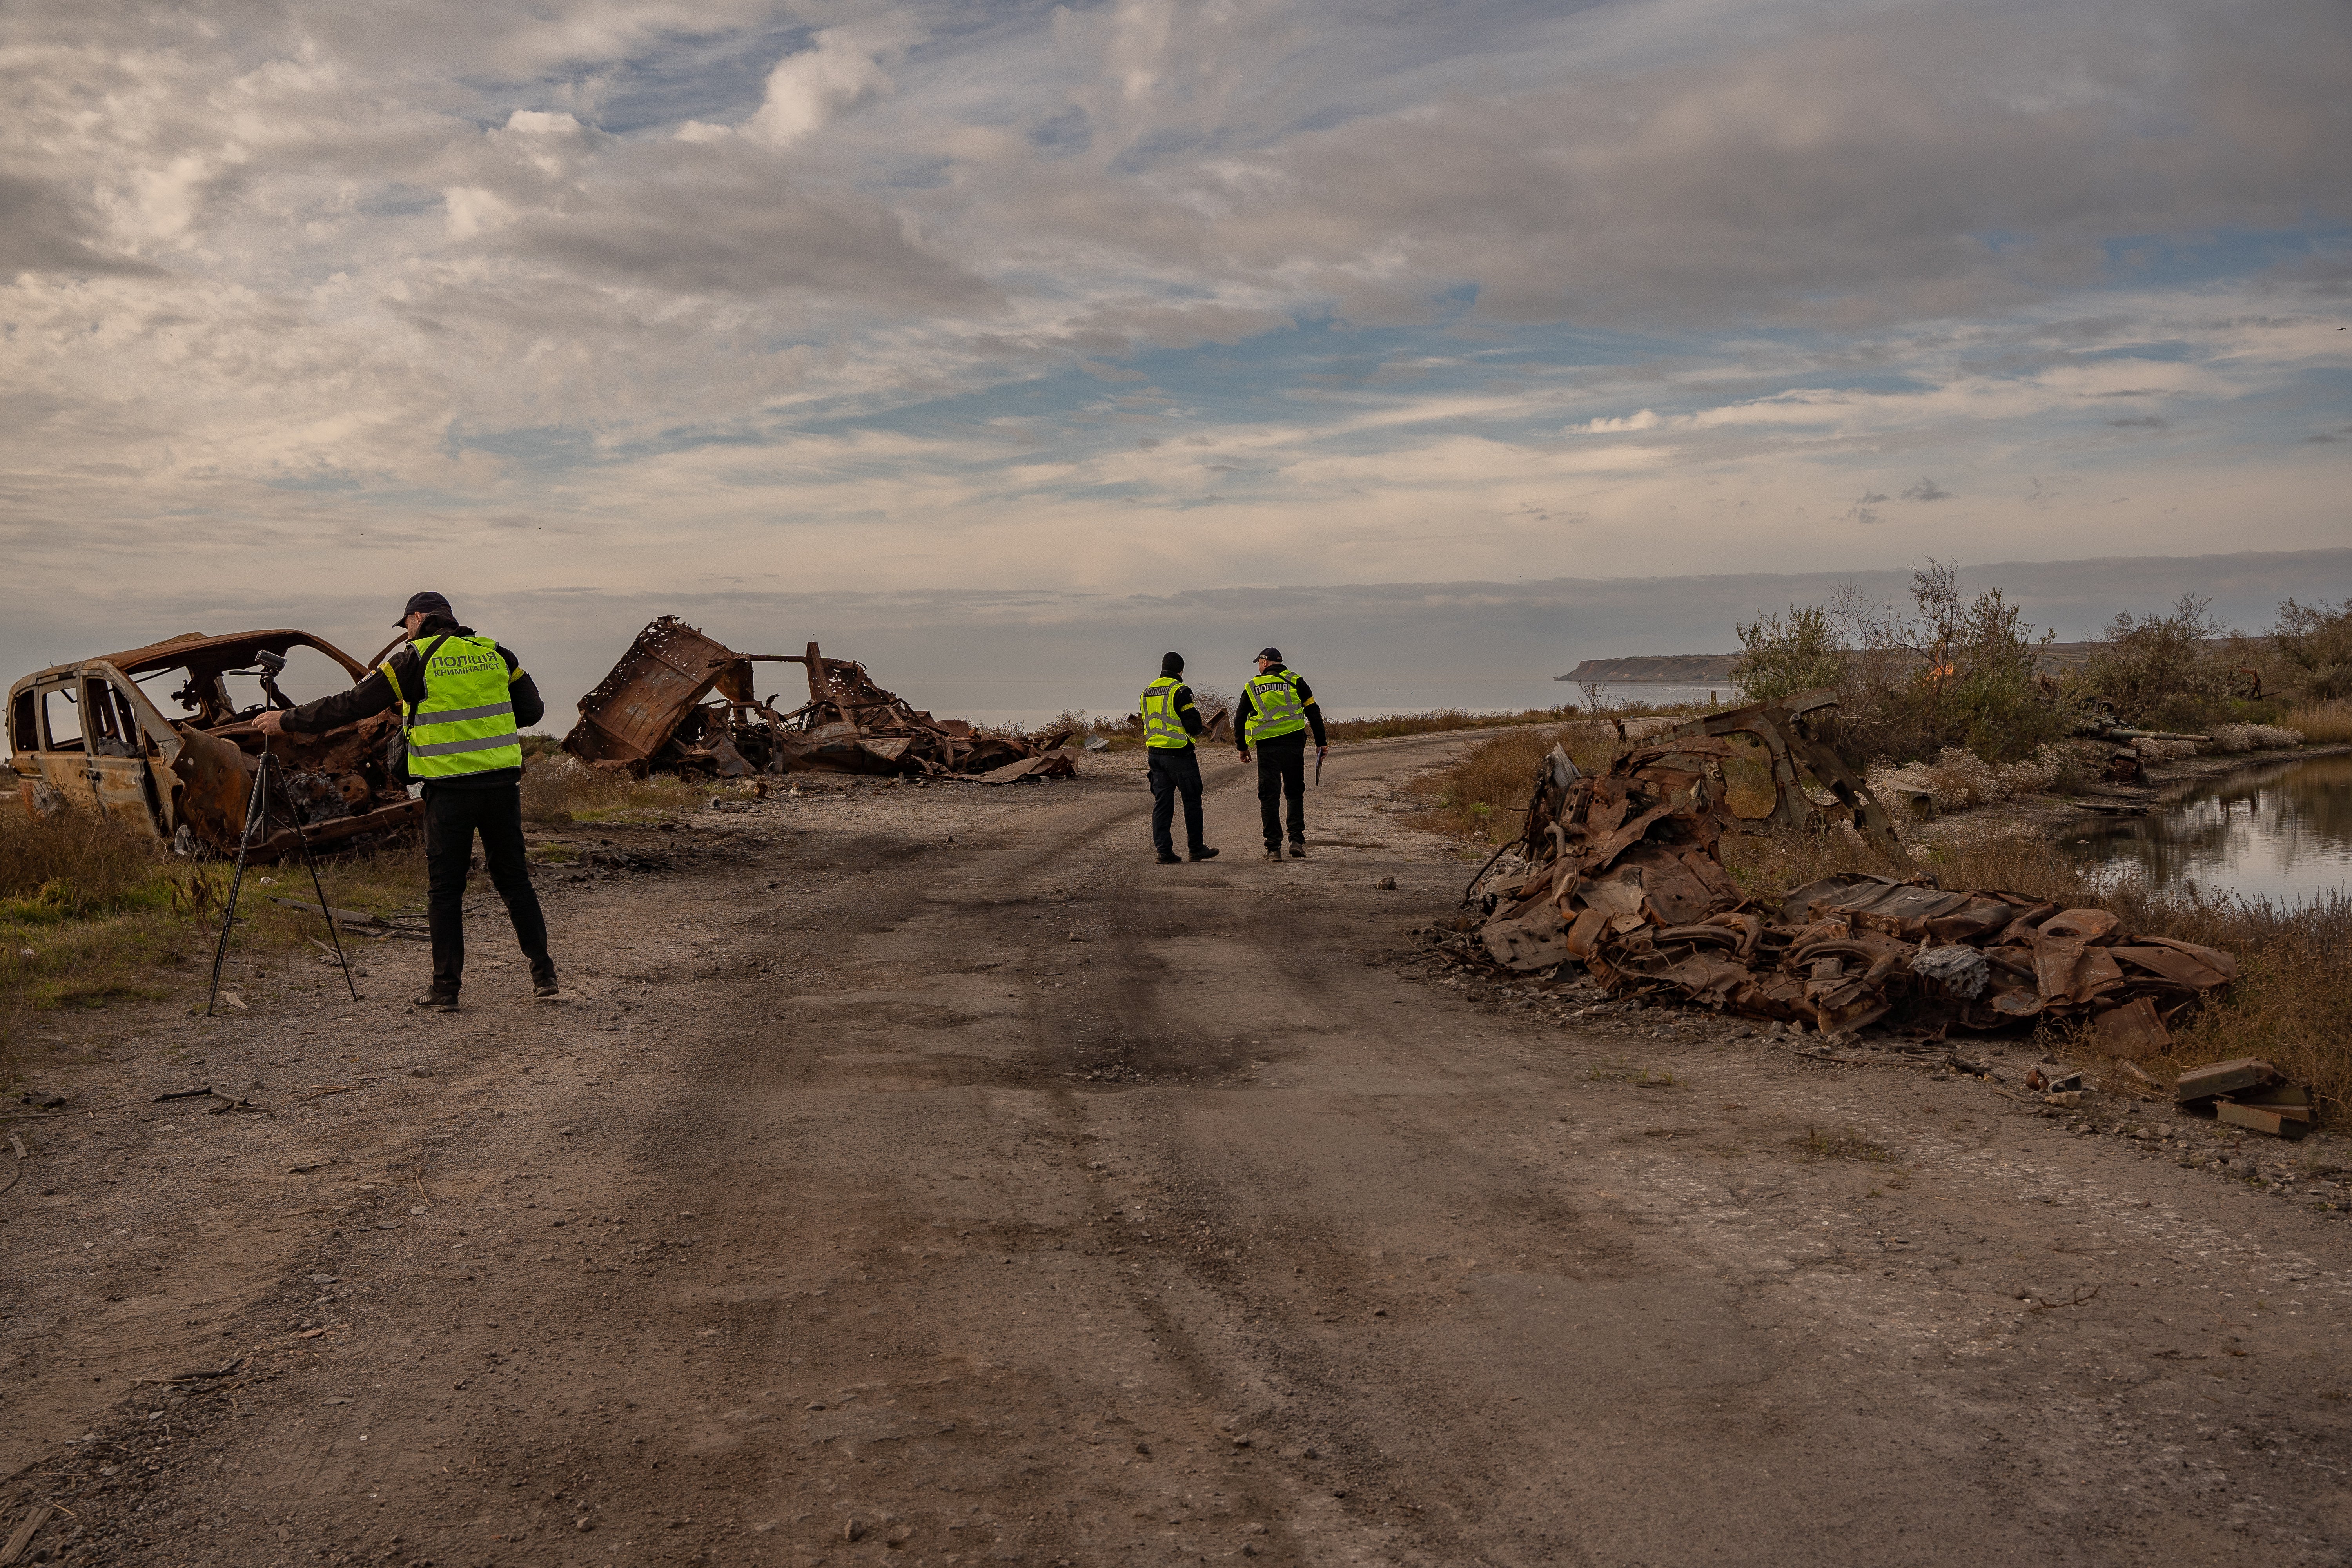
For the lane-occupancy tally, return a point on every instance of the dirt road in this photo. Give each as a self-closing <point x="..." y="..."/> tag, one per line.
<point x="923" y="1176"/>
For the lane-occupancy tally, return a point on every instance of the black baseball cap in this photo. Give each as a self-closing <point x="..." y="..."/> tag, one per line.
<point x="430" y="603"/>
<point x="1273" y="653"/>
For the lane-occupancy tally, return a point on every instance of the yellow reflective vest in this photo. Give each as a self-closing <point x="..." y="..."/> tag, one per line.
<point x="466" y="722"/>
<point x="1163" y="726"/>
<point x="1274" y="706"/>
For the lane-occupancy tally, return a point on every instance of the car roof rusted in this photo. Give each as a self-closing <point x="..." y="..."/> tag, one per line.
<point x="234" y="648"/>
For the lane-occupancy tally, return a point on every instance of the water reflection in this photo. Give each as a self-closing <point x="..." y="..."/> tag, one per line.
<point x="2282" y="831"/>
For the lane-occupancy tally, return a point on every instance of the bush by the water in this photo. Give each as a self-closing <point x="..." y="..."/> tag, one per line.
<point x="1950" y="671"/>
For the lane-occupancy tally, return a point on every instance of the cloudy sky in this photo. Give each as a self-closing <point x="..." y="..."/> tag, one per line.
<point x="577" y="307"/>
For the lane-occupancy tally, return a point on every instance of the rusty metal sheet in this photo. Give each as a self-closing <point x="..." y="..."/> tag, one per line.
<point x="1622" y="872"/>
<point x="636" y="709"/>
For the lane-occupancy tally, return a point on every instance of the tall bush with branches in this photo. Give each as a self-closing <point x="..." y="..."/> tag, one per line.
<point x="2164" y="671"/>
<point x="2314" y="642"/>
<point x="1950" y="669"/>
<point x="1781" y="654"/>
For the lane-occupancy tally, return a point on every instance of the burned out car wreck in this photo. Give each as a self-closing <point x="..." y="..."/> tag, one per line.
<point x="94" y="735"/>
<point x="679" y="701"/>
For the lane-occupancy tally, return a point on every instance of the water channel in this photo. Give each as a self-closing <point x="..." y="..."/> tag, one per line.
<point x="2281" y="831"/>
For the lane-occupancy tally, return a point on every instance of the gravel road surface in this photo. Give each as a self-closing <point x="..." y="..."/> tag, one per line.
<point x="918" y="1175"/>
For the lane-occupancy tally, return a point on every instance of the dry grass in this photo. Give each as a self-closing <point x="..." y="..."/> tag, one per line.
<point x="1484" y="794"/>
<point x="558" y="788"/>
<point x="117" y="920"/>
<point x="53" y="868"/>
<point x="2321" y="723"/>
<point x="2293" y="992"/>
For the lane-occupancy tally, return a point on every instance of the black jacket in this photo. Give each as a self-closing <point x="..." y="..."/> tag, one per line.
<point x="376" y="693"/>
<point x="1243" y="710"/>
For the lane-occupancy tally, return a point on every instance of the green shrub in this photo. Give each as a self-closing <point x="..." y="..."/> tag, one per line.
<point x="1779" y="656"/>
<point x="2161" y="671"/>
<point x="2314" y="643"/>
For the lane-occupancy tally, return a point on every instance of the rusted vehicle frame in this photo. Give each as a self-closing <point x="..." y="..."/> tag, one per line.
<point x="188" y="780"/>
<point x="680" y="701"/>
<point x="1779" y="726"/>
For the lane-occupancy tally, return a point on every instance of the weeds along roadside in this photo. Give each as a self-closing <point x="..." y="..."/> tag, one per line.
<point x="2288" y="1005"/>
<point x="1483" y="794"/>
<point x="558" y="789"/>
<point x="93" y="911"/>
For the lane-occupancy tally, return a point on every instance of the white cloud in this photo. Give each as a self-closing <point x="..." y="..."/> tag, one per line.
<point x="813" y="290"/>
<point x="811" y="89"/>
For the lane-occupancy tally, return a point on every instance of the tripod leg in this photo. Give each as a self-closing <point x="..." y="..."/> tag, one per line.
<point x="256" y="811"/>
<point x="333" y="935"/>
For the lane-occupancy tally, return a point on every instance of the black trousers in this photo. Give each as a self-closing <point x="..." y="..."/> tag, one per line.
<point x="1282" y="770"/>
<point x="1175" y="770"/>
<point x="452" y="817"/>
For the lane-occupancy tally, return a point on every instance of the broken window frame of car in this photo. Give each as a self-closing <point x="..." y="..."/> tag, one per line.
<point x="189" y="781"/>
<point x="681" y="702"/>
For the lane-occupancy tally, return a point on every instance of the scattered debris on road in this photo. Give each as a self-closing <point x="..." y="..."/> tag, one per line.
<point x="679" y="701"/>
<point x="1623" y="874"/>
<point x="2247" y="1093"/>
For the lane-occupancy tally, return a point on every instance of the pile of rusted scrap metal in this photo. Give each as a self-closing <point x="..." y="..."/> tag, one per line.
<point x="682" y="702"/>
<point x="1623" y="874"/>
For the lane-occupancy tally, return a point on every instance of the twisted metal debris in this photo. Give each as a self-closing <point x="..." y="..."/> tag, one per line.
<point x="679" y="701"/>
<point x="1623" y="873"/>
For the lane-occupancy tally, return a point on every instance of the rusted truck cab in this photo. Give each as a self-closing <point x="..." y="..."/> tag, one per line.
<point x="92" y="734"/>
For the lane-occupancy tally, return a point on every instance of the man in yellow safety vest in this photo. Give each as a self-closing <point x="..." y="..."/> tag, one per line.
<point x="467" y="699"/>
<point x="1276" y="709"/>
<point x="1170" y="719"/>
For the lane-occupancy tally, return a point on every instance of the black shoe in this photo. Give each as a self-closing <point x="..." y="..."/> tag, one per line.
<point x="1297" y="850"/>
<point x="436" y="1001"/>
<point x="543" y="982"/>
<point x="1274" y="854"/>
<point x="1205" y="855"/>
<point x="1168" y="858"/>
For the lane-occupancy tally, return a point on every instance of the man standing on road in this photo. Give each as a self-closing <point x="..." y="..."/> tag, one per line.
<point x="1170" y="719"/>
<point x="467" y="697"/>
<point x="1276" y="711"/>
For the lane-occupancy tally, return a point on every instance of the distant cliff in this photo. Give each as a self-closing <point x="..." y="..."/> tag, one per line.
<point x="1698" y="668"/>
<point x="1681" y="669"/>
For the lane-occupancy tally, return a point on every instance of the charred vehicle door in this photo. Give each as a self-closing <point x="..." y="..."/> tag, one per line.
<point x="124" y="750"/>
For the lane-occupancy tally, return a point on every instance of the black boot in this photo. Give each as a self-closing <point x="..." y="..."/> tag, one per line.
<point x="1204" y="853"/>
<point x="436" y="1000"/>
<point x="542" y="980"/>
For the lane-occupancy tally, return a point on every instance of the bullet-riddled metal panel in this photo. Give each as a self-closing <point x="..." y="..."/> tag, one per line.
<point x="636" y="709"/>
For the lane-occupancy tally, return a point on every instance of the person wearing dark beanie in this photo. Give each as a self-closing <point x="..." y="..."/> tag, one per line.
<point x="1170" y="719"/>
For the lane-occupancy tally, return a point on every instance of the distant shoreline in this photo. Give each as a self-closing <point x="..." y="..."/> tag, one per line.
<point x="1698" y="669"/>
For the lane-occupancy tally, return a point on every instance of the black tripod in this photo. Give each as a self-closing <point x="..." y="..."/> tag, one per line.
<point x="257" y="822"/>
